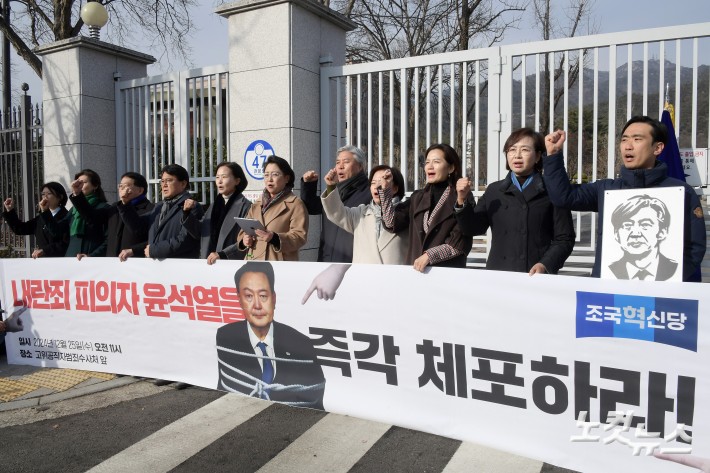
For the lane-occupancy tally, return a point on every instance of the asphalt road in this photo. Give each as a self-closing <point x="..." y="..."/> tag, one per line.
<point x="141" y="427"/>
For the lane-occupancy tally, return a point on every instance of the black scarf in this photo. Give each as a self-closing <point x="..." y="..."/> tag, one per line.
<point x="219" y="212"/>
<point x="350" y="186"/>
<point x="437" y="190"/>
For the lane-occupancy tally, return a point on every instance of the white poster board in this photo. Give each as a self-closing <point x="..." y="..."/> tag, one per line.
<point x="643" y="234"/>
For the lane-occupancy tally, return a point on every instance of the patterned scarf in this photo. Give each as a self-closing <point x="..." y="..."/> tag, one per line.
<point x="267" y="200"/>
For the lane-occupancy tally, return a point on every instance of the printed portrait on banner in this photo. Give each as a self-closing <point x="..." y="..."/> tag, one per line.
<point x="261" y="357"/>
<point x="643" y="234"/>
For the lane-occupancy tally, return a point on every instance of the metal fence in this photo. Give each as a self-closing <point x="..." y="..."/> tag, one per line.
<point x="21" y="168"/>
<point x="473" y="99"/>
<point x="174" y="118"/>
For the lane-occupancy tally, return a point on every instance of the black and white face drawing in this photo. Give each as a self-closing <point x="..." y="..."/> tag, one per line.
<point x="641" y="240"/>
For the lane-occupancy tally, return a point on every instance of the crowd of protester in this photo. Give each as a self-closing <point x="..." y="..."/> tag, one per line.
<point x="364" y="219"/>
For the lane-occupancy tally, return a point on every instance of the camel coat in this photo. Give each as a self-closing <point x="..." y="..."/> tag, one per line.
<point x="288" y="218"/>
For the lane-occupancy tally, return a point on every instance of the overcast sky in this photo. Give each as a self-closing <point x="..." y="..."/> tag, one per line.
<point x="210" y="40"/>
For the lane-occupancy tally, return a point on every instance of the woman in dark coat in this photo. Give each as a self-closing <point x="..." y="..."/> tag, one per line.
<point x="528" y="233"/>
<point x="53" y="199"/>
<point x="434" y="237"/>
<point x="86" y="238"/>
<point x="218" y="230"/>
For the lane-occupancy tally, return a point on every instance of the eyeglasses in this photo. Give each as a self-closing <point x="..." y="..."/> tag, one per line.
<point x="523" y="151"/>
<point x="275" y="175"/>
<point x="167" y="181"/>
<point x="124" y="186"/>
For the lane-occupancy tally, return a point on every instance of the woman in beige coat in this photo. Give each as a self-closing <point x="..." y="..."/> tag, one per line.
<point x="372" y="244"/>
<point x="283" y="215"/>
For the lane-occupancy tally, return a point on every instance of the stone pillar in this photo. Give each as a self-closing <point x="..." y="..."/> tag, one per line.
<point x="78" y="93"/>
<point x="275" y="53"/>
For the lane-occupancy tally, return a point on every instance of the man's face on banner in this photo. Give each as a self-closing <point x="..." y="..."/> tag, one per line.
<point x="641" y="233"/>
<point x="257" y="300"/>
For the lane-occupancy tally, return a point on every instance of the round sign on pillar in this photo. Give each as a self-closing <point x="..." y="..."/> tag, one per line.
<point x="254" y="158"/>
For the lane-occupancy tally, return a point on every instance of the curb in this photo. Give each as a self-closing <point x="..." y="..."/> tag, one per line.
<point x="68" y="394"/>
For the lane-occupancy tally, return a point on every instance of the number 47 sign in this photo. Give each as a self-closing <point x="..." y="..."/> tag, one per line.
<point x="254" y="157"/>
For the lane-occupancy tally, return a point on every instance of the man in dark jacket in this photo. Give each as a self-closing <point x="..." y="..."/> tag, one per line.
<point x="642" y="140"/>
<point x="167" y="237"/>
<point x="125" y="234"/>
<point x="336" y="245"/>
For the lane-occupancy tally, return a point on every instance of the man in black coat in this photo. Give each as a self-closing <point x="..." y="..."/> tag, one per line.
<point x="127" y="219"/>
<point x="262" y="358"/>
<point x="336" y="244"/>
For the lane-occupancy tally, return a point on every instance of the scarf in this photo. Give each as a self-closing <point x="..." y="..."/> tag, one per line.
<point x="219" y="212"/>
<point x="350" y="186"/>
<point x="525" y="181"/>
<point x="137" y="200"/>
<point x="377" y="211"/>
<point x="267" y="200"/>
<point x="78" y="224"/>
<point x="167" y="204"/>
<point x="437" y="190"/>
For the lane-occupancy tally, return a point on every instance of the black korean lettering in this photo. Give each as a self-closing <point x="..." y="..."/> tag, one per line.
<point x="332" y="356"/>
<point x="452" y="366"/>
<point x="391" y="351"/>
<point x="560" y="401"/>
<point x="630" y="393"/>
<point x="659" y="403"/>
<point x="498" y="380"/>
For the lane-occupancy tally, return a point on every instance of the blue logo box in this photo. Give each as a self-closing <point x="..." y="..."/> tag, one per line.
<point x="654" y="319"/>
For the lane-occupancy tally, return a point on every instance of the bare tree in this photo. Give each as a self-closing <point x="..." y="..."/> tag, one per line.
<point x="390" y="29"/>
<point x="165" y="23"/>
<point x="576" y="20"/>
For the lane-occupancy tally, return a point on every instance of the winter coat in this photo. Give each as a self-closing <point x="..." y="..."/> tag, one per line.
<point x="336" y="244"/>
<point x="590" y="197"/>
<point x="526" y="228"/>
<point x="286" y="217"/>
<point x="442" y="230"/>
<point x="119" y="235"/>
<point x="227" y="239"/>
<point x="50" y="244"/>
<point x="361" y="221"/>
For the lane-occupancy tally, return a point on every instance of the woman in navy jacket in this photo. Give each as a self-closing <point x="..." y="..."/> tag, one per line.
<point x="528" y="233"/>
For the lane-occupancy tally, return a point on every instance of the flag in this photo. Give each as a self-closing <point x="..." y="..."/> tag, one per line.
<point x="671" y="153"/>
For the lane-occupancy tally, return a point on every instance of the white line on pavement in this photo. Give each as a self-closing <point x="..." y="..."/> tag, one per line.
<point x="167" y="448"/>
<point x="471" y="457"/>
<point x="334" y="444"/>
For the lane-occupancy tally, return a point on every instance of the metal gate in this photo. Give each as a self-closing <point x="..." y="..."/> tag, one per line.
<point x="473" y="99"/>
<point x="174" y="118"/>
<point x="21" y="169"/>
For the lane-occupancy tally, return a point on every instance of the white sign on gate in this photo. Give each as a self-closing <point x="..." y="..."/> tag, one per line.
<point x="254" y="157"/>
<point x="695" y="165"/>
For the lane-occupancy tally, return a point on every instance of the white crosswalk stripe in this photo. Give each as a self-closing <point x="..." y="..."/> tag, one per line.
<point x="168" y="447"/>
<point x="333" y="444"/>
<point x="477" y="458"/>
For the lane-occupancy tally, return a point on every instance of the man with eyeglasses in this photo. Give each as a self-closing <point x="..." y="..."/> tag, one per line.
<point x="167" y="237"/>
<point x="127" y="219"/>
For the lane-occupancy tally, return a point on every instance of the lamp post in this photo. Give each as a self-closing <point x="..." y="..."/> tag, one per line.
<point x="95" y="16"/>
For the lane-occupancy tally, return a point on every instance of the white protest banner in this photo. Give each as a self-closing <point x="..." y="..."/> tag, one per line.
<point x="501" y="359"/>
